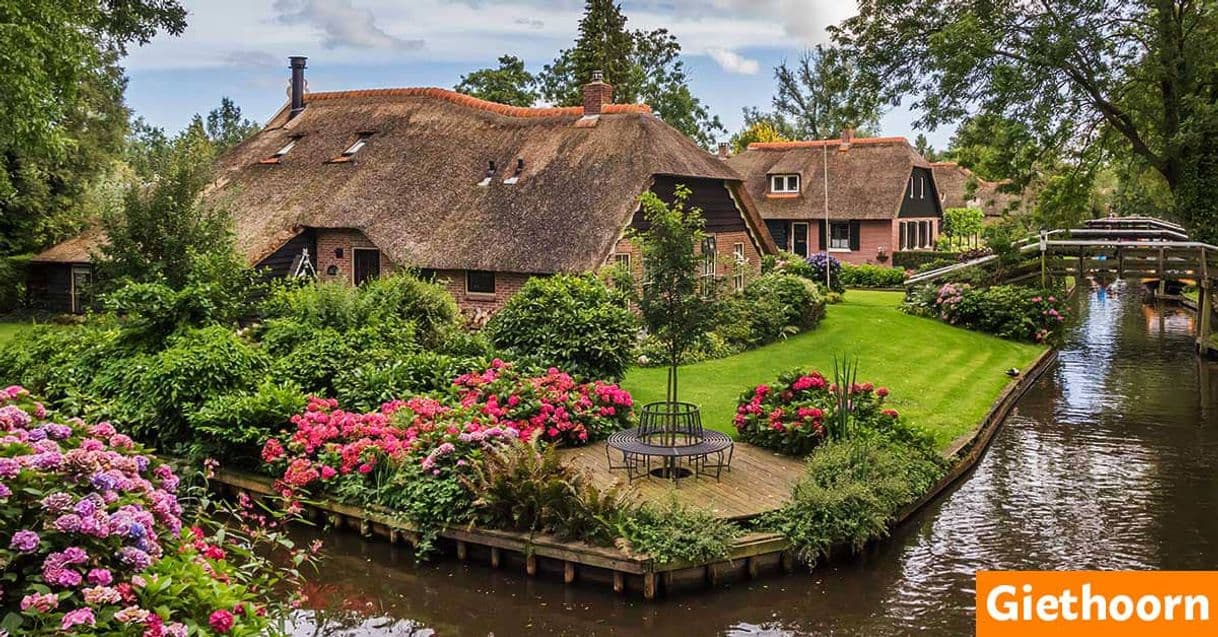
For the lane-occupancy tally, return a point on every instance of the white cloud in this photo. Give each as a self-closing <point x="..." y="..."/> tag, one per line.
<point x="250" y="58"/>
<point x="341" y="23"/>
<point x="733" y="62"/>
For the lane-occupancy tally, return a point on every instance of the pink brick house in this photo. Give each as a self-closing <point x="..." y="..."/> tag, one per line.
<point x="880" y="196"/>
<point x="350" y="185"/>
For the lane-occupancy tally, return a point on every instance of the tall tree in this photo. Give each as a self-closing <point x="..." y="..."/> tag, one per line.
<point x="508" y="84"/>
<point x="922" y="145"/>
<point x="642" y="66"/>
<point x="1145" y="70"/>
<point x="824" y="93"/>
<point x="226" y="127"/>
<point x="61" y="110"/>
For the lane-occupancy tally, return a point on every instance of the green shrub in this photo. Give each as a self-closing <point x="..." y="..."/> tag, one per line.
<point x="676" y="533"/>
<point x="914" y="259"/>
<point x="778" y="301"/>
<point x="372" y="384"/>
<point x="871" y="276"/>
<point x="235" y="426"/>
<point x="787" y="263"/>
<point x="573" y="322"/>
<point x="851" y="492"/>
<point x="197" y="366"/>
<point x="13" y="273"/>
<point x="426" y="305"/>
<point x="525" y="490"/>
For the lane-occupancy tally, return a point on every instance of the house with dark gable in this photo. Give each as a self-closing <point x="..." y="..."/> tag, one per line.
<point x="960" y="188"/>
<point x="859" y="198"/>
<point x="351" y="185"/>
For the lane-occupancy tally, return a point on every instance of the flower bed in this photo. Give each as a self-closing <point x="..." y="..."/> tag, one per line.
<point x="415" y="456"/>
<point x="790" y="416"/>
<point x="92" y="539"/>
<point x="1014" y="312"/>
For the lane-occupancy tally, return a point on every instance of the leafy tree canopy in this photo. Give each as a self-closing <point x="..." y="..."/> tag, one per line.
<point x="642" y="66"/>
<point x="824" y="93"/>
<point x="1138" y="76"/>
<point x="508" y="84"/>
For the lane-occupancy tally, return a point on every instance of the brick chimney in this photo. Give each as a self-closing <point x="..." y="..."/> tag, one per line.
<point x="297" y="91"/>
<point x="847" y="137"/>
<point x="725" y="151"/>
<point x="596" y="94"/>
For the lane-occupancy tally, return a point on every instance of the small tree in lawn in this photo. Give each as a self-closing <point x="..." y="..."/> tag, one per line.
<point x="677" y="303"/>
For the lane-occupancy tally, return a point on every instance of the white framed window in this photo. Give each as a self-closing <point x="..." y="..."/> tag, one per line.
<point x="358" y="145"/>
<point x="287" y="148"/>
<point x="479" y="282"/>
<point x="839" y="236"/>
<point x="784" y="184"/>
<point x="911" y="187"/>
<point x="921" y="187"/>
<point x="738" y="277"/>
<point x="622" y="259"/>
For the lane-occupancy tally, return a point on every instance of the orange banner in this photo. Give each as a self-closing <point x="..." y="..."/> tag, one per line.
<point x="1107" y="603"/>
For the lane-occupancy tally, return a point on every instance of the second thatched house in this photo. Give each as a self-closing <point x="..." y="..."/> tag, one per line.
<point x="860" y="199"/>
<point x="960" y="188"/>
<point x="353" y="184"/>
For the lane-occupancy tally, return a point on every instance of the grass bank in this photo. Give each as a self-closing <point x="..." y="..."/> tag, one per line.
<point x="10" y="330"/>
<point x="942" y="378"/>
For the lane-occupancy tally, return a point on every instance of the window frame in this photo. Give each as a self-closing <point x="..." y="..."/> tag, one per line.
<point x="471" y="292"/>
<point x="833" y="241"/>
<point x="741" y="260"/>
<point x="807" y="238"/>
<point x="785" y="179"/>
<point x="622" y="259"/>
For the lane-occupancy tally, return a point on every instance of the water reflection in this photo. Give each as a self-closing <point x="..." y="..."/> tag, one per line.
<point x="1109" y="462"/>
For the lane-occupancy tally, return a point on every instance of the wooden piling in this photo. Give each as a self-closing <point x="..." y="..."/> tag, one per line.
<point x="649" y="585"/>
<point x="462" y="550"/>
<point x="568" y="573"/>
<point x="495" y="557"/>
<point x="530" y="564"/>
<point x="619" y="582"/>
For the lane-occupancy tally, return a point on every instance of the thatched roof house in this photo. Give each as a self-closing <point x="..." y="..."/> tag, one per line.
<point x="878" y="194"/>
<point x="484" y="195"/>
<point x="960" y="188"/>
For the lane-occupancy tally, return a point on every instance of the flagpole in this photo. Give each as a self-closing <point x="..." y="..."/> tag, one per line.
<point x="828" y="237"/>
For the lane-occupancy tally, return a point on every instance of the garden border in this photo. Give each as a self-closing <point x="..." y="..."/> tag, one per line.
<point x="752" y="555"/>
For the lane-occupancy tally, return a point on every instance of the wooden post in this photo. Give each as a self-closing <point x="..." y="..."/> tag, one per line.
<point x="530" y="564"/>
<point x="1205" y="314"/>
<point x="462" y="550"/>
<point x="649" y="585"/>
<point x="568" y="573"/>
<point x="619" y="582"/>
<point x="750" y="565"/>
<point x="712" y="574"/>
<point x="788" y="562"/>
<point x="365" y="528"/>
<point x="495" y="557"/>
<point x="1162" y="275"/>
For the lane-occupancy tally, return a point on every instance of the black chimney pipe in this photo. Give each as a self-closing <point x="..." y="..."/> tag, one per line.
<point x="297" y="64"/>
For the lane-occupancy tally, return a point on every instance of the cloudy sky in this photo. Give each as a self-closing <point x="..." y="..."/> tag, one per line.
<point x="239" y="48"/>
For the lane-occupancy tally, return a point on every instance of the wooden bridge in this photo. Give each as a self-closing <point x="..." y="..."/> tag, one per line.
<point x="1157" y="252"/>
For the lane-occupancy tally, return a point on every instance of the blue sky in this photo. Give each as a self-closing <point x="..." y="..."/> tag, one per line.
<point x="239" y="48"/>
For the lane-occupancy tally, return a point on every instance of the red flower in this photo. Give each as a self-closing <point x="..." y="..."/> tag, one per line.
<point x="881" y="392"/>
<point x="221" y="621"/>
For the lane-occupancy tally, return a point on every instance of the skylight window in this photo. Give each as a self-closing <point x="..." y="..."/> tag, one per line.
<point x="274" y="159"/>
<point x="358" y="145"/>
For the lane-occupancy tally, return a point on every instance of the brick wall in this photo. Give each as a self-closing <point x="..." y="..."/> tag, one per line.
<point x="725" y="263"/>
<point x="475" y="305"/>
<point x="329" y="241"/>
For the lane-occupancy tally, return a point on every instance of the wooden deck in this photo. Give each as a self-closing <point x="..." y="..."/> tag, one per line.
<point x="759" y="481"/>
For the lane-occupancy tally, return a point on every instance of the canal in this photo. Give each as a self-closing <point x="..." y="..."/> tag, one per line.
<point x="1110" y="462"/>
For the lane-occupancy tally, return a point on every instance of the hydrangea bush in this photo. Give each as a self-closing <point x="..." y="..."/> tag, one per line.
<point x="415" y="456"/>
<point x="1010" y="311"/>
<point x="790" y="415"/>
<point x="92" y="539"/>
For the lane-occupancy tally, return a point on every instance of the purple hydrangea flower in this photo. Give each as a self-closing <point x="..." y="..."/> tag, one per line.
<point x="57" y="502"/>
<point x="9" y="468"/>
<point x="136" y="559"/>
<point x="24" y="541"/>
<point x="5" y="491"/>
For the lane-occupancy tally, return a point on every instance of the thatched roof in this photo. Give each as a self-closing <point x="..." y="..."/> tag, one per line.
<point x="953" y="182"/>
<point x="78" y="249"/>
<point x="413" y="188"/>
<point x="867" y="177"/>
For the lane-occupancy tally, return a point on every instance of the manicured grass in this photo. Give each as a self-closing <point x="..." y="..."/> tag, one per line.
<point x="942" y="378"/>
<point x="10" y="330"/>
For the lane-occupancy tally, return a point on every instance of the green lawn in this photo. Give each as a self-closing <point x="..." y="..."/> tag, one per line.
<point x="10" y="330"/>
<point x="942" y="378"/>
